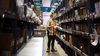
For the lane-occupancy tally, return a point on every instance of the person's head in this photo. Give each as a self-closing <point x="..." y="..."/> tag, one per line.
<point x="52" y="16"/>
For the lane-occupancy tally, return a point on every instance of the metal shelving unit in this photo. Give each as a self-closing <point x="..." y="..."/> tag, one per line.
<point x="88" y="18"/>
<point x="13" y="17"/>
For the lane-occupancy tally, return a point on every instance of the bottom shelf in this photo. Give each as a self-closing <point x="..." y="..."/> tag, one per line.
<point x="78" y="51"/>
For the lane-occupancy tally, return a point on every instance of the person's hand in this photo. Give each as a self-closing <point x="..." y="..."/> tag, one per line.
<point x="58" y="24"/>
<point x="52" y="26"/>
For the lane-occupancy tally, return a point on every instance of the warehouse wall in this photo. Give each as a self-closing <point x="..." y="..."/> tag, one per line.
<point x="46" y="17"/>
<point x="46" y="3"/>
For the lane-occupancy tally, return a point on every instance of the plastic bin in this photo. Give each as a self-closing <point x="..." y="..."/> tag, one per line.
<point x="39" y="32"/>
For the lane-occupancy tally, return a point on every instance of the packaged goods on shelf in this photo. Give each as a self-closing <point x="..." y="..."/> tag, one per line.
<point x="64" y="36"/>
<point x="38" y="27"/>
<point x="85" y="11"/>
<point x="76" y="13"/>
<point x="97" y="6"/>
<point x="7" y="43"/>
<point x="22" y="37"/>
<point x="7" y="5"/>
<point x="97" y="54"/>
<point x="67" y="4"/>
<point x="98" y="29"/>
<point x="70" y="40"/>
<point x="61" y="36"/>
<point x="70" y="3"/>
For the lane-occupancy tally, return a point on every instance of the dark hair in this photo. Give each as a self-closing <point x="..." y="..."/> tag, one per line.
<point x="52" y="14"/>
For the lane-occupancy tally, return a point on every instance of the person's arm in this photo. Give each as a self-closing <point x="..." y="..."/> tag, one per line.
<point x="48" y="25"/>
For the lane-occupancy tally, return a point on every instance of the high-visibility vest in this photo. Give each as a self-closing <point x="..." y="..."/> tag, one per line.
<point x="52" y="30"/>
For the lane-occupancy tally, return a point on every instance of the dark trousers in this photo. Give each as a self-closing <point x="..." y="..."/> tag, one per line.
<point x="51" y="38"/>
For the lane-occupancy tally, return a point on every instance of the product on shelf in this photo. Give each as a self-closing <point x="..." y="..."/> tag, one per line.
<point x="22" y="37"/>
<point x="18" y="39"/>
<point x="70" y="39"/>
<point x="97" y="6"/>
<point x="7" y="5"/>
<point x="6" y="44"/>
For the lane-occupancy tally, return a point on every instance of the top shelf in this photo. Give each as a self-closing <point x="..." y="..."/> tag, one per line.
<point x="78" y="4"/>
<point x="4" y="13"/>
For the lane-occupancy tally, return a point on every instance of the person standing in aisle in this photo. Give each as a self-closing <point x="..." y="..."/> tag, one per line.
<point x="51" y="32"/>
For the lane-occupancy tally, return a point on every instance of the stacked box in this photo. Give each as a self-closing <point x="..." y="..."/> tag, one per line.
<point x="70" y="3"/>
<point x="97" y="6"/>
<point x="22" y="37"/>
<point x="38" y="27"/>
<point x="7" y="5"/>
<point x="70" y="39"/>
<point x="18" y="38"/>
<point x="6" y="44"/>
<point x="98" y="29"/>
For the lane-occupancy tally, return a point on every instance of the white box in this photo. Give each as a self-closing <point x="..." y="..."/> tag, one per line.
<point x="96" y="4"/>
<point x="6" y="53"/>
<point x="97" y="9"/>
<point x="76" y="12"/>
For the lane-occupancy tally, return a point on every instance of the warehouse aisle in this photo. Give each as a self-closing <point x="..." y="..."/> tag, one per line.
<point x="33" y="47"/>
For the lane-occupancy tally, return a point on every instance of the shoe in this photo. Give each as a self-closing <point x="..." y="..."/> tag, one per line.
<point x="53" y="50"/>
<point x="48" y="50"/>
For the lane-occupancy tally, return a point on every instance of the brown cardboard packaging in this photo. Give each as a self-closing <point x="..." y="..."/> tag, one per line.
<point x="98" y="29"/>
<point x="6" y="44"/>
<point x="5" y="40"/>
<point x="37" y="12"/>
<point x="22" y="32"/>
<point x="38" y="27"/>
<point x="70" y="3"/>
<point x="58" y="12"/>
<point x="67" y="4"/>
<point x="7" y="4"/>
<point x="80" y="12"/>
<point x="18" y="34"/>
<point x="86" y="28"/>
<point x="85" y="11"/>
<point x="71" y="39"/>
<point x="4" y="52"/>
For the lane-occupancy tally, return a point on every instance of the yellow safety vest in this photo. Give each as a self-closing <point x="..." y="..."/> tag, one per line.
<point x="52" y="31"/>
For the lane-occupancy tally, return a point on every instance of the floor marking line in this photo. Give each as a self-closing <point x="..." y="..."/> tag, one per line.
<point x="45" y="46"/>
<point x="58" y="50"/>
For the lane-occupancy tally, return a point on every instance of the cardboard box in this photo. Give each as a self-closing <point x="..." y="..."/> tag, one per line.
<point x="38" y="12"/>
<point x="4" y="52"/>
<point x="80" y="27"/>
<point x="80" y="12"/>
<point x="98" y="29"/>
<point x="18" y="34"/>
<point x="38" y="27"/>
<point x="58" y="12"/>
<point x="85" y="11"/>
<point x="28" y="32"/>
<point x="70" y="39"/>
<point x="7" y="5"/>
<point x="70" y="3"/>
<point x="67" y="4"/>
<point x="6" y="40"/>
<point x="22" y="32"/>
<point x="86" y="28"/>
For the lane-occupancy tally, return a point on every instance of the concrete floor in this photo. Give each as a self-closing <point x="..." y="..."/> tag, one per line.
<point x="35" y="48"/>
